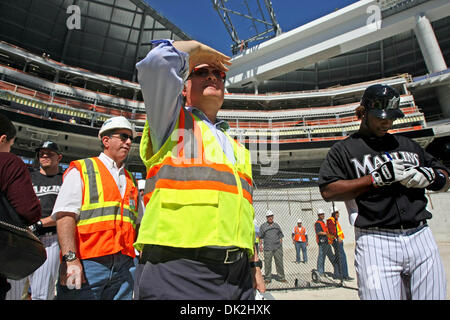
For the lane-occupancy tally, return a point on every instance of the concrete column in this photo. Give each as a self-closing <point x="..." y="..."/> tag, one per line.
<point x="429" y="45"/>
<point x="56" y="78"/>
<point x="433" y="57"/>
<point x="255" y="85"/>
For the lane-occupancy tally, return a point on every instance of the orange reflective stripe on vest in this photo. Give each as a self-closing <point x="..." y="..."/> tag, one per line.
<point x="212" y="177"/>
<point x="107" y="221"/>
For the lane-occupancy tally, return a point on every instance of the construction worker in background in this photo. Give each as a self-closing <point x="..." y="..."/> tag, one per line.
<point x="96" y="214"/>
<point x="197" y="234"/>
<point x="336" y="239"/>
<point x="271" y="242"/>
<point x="255" y="223"/>
<point x="300" y="240"/>
<point x="324" y="246"/>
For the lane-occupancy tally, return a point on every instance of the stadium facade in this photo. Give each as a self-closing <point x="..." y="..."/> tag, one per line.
<point x="66" y="66"/>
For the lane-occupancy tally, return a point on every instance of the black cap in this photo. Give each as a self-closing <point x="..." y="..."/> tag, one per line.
<point x="49" y="145"/>
<point x="382" y="101"/>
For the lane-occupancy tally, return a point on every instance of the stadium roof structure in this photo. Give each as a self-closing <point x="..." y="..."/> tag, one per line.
<point x="110" y="37"/>
<point x="344" y="47"/>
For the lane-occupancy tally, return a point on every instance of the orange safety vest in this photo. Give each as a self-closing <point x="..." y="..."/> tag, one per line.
<point x="299" y="234"/>
<point x="107" y="221"/>
<point x="340" y="233"/>
<point x="324" y="228"/>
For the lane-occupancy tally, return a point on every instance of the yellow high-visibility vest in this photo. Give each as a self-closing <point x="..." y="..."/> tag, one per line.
<point x="340" y="233"/>
<point x="194" y="195"/>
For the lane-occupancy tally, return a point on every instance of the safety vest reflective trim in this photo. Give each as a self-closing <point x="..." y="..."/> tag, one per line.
<point x="189" y="174"/>
<point x="246" y="186"/>
<point x="90" y="169"/>
<point x="189" y="137"/>
<point x="196" y="177"/>
<point x="105" y="214"/>
<point x="300" y="234"/>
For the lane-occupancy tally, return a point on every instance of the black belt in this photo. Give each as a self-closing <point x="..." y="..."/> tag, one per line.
<point x="157" y="254"/>
<point x="404" y="225"/>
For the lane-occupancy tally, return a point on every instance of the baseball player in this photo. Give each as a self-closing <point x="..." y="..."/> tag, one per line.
<point x="383" y="178"/>
<point x="46" y="184"/>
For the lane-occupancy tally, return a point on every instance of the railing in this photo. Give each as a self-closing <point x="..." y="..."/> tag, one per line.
<point x="55" y="102"/>
<point x="303" y="130"/>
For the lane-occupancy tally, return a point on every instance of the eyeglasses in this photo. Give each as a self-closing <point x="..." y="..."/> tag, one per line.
<point x="123" y="136"/>
<point x="204" y="72"/>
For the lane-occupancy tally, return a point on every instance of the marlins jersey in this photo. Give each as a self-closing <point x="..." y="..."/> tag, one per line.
<point x="359" y="155"/>
<point x="46" y="189"/>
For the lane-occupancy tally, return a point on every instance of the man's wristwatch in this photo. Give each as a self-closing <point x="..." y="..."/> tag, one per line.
<point x="69" y="256"/>
<point x="254" y="264"/>
<point x="36" y="227"/>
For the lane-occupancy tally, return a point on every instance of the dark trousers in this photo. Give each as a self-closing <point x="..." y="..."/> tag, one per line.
<point x="341" y="270"/>
<point x="325" y="251"/>
<point x="4" y="287"/>
<point x="181" y="279"/>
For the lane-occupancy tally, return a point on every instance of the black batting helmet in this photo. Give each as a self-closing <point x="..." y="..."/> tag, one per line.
<point x="382" y="101"/>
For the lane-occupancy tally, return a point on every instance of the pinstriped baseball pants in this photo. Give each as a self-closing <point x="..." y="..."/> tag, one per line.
<point x="399" y="265"/>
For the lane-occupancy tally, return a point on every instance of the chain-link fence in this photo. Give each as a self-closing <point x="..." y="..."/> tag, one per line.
<point x="293" y="196"/>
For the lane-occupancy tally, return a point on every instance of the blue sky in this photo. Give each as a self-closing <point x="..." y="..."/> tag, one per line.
<point x="200" y="21"/>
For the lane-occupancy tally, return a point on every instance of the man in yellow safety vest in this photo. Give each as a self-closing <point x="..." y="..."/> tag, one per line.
<point x="336" y="239"/>
<point x="197" y="174"/>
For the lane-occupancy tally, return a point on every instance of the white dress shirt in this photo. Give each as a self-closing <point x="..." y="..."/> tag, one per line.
<point x="70" y="195"/>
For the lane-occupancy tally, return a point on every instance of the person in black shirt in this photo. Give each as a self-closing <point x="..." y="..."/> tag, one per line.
<point x="46" y="181"/>
<point x="382" y="178"/>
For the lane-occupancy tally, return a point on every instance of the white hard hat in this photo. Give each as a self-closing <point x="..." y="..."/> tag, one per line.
<point x="299" y="221"/>
<point x="116" y="123"/>
<point x="320" y="211"/>
<point x="269" y="213"/>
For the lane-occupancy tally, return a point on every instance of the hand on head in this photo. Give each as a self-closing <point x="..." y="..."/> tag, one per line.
<point x="200" y="53"/>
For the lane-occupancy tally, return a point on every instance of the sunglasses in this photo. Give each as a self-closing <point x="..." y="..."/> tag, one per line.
<point x="204" y="72"/>
<point x="123" y="136"/>
<point x="47" y="153"/>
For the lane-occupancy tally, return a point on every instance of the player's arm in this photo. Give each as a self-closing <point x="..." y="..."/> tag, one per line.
<point x="431" y="174"/>
<point x="342" y="190"/>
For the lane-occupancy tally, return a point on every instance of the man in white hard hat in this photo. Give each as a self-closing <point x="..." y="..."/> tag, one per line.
<point x="324" y="245"/>
<point x="271" y="240"/>
<point x="96" y="214"/>
<point x="300" y="240"/>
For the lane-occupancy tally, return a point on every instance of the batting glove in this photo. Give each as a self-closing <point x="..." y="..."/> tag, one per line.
<point x="389" y="172"/>
<point x="418" y="177"/>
